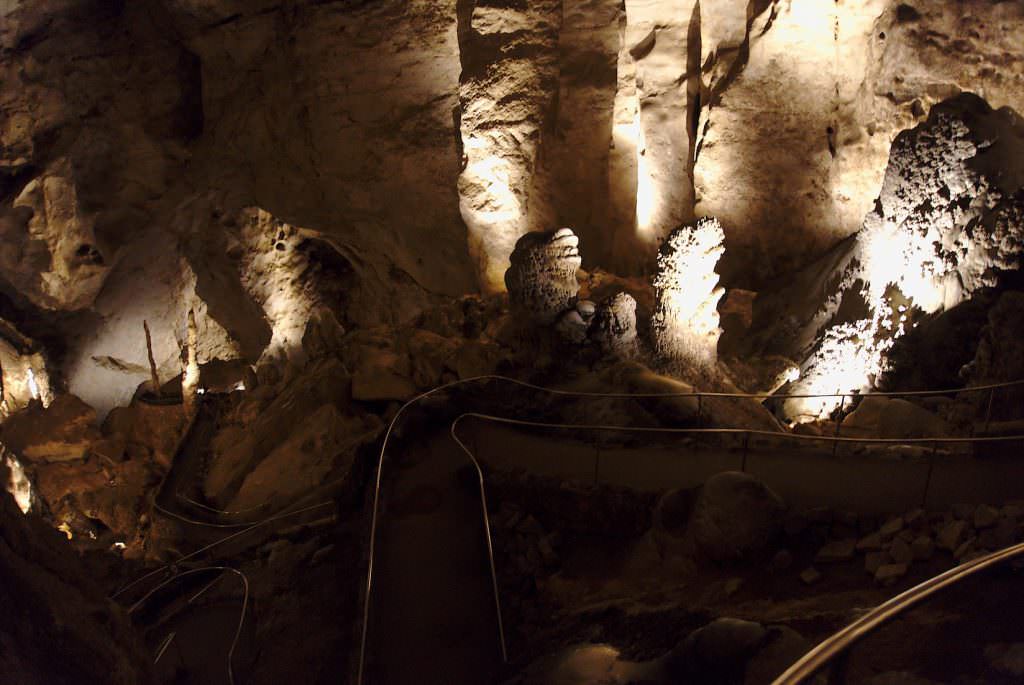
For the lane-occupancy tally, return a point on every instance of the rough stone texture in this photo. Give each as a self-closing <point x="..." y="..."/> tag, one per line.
<point x="661" y="41"/>
<point x="734" y="516"/>
<point x="509" y="79"/>
<point x="323" y="446"/>
<point x="56" y="626"/>
<point x="830" y="85"/>
<point x="948" y="222"/>
<point x="684" y="326"/>
<point x="614" y="326"/>
<point x="541" y="280"/>
<point x="999" y="359"/>
<point x="61" y="432"/>
<point x="883" y="417"/>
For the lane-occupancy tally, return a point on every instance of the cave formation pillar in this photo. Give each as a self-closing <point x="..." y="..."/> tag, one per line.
<point x="508" y="87"/>
<point x="652" y="134"/>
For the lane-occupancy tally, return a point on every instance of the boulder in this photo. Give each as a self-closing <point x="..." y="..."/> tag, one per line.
<point x="887" y="574"/>
<point x="952" y="535"/>
<point x="883" y="417"/>
<point x="839" y="550"/>
<point x="61" y="432"/>
<point x="734" y="516"/>
<point x="323" y="445"/>
<point x="717" y="652"/>
<point x="614" y="326"/>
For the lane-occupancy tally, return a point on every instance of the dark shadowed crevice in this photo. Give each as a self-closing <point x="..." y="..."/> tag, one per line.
<point x="694" y="97"/>
<point x="189" y="116"/>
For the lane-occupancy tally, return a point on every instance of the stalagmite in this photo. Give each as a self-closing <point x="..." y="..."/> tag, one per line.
<point x="614" y="325"/>
<point x="190" y="375"/>
<point x="154" y="377"/>
<point x="685" y="322"/>
<point x="541" y="280"/>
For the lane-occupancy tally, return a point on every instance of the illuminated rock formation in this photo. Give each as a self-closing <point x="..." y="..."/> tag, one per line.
<point x="948" y="221"/>
<point x="685" y="322"/>
<point x="614" y="325"/>
<point x="509" y="78"/>
<point x="49" y="242"/>
<point x="830" y="85"/>
<point x="542" y="277"/>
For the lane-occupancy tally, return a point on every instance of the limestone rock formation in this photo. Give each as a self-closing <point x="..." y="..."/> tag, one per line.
<point x="541" y="280"/>
<point x="998" y="358"/>
<point x="56" y="626"/>
<point x="830" y="84"/>
<point x="614" y="326"/>
<point x="684" y="326"/>
<point x="509" y="78"/>
<point x="948" y="222"/>
<point x="61" y="432"/>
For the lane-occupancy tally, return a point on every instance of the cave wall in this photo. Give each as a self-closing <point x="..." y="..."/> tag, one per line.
<point x="420" y="139"/>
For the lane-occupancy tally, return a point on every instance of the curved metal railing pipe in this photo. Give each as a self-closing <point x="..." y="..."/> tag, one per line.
<point x="574" y="393"/>
<point x="818" y="657"/>
<point x="241" y="614"/>
<point x="655" y="429"/>
<point x="215" y="543"/>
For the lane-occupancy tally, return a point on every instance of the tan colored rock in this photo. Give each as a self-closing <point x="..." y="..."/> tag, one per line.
<point x="837" y="550"/>
<point x="61" y="432"/>
<point x="888" y="574"/>
<point x="509" y="79"/>
<point x="922" y="547"/>
<point x="684" y="325"/>
<point x="614" y="326"/>
<point x="951" y="535"/>
<point x="884" y="417"/>
<point x="322" y="445"/>
<point x="541" y="279"/>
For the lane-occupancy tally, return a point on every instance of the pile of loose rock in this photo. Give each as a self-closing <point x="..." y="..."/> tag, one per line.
<point x="964" y="532"/>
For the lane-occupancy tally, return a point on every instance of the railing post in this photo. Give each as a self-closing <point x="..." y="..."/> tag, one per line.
<point x="746" y="447"/>
<point x="928" y="478"/>
<point x="988" y="412"/>
<point x="597" y="462"/>
<point x="700" y="411"/>
<point x="839" y="422"/>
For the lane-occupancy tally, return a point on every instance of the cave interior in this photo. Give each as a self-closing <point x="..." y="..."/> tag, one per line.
<point x="475" y="342"/>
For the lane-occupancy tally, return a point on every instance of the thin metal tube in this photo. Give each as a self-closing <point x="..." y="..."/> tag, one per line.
<point x="652" y="429"/>
<point x="241" y="615"/>
<point x="811" y="662"/>
<point x="621" y="395"/>
<point x="487" y="534"/>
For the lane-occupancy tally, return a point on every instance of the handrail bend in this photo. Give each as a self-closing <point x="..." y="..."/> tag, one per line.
<point x="656" y="429"/>
<point x="241" y="615"/>
<point x="809" y="664"/>
<point x="572" y="393"/>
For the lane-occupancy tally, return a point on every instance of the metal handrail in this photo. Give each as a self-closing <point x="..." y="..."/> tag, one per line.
<point x="241" y="615"/>
<point x="809" y="663"/>
<point x="654" y="429"/>
<point x="574" y="393"/>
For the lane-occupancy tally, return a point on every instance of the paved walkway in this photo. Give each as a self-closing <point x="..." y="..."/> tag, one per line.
<point x="432" y="618"/>
<point x="805" y="476"/>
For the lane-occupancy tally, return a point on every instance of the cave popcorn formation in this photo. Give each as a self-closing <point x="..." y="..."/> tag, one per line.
<point x="948" y="222"/>
<point x="685" y="321"/>
<point x="541" y="279"/>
